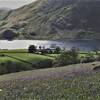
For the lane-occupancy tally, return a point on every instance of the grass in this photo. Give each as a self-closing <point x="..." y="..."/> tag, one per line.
<point x="15" y="62"/>
<point x="24" y="56"/>
<point x="21" y="57"/>
<point x="5" y="59"/>
<point x="53" y="55"/>
<point x="14" y="51"/>
<point x="74" y="82"/>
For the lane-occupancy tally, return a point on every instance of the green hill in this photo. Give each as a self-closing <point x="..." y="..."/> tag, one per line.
<point x="53" y="19"/>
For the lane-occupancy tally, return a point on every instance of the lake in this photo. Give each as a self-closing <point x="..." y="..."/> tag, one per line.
<point x="67" y="44"/>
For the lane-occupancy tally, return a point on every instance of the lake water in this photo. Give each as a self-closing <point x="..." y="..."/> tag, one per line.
<point x="24" y="44"/>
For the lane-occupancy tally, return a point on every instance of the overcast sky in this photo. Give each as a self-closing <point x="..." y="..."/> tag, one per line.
<point x="14" y="3"/>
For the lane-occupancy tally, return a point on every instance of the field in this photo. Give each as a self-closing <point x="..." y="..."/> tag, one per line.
<point x="13" y="51"/>
<point x="21" y="61"/>
<point x="17" y="57"/>
<point x="74" y="82"/>
<point x="25" y="56"/>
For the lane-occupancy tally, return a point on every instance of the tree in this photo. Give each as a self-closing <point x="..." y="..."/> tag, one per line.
<point x="66" y="58"/>
<point x="57" y="50"/>
<point x="40" y="47"/>
<point x="32" y="49"/>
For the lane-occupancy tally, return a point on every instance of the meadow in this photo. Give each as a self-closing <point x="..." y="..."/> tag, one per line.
<point x="21" y="55"/>
<point x="24" y="55"/>
<point x="73" y="82"/>
<point x="21" y="60"/>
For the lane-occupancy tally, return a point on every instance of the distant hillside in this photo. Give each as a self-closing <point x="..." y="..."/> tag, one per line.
<point x="53" y="19"/>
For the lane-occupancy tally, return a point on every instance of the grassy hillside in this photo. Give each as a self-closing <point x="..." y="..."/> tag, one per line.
<point x="54" y="19"/>
<point x="78" y="82"/>
<point x="24" y="56"/>
<point x="15" y="62"/>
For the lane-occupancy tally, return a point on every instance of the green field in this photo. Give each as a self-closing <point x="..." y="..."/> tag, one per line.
<point x="15" y="62"/>
<point x="14" y="51"/>
<point x="24" y="56"/>
<point x="74" y="82"/>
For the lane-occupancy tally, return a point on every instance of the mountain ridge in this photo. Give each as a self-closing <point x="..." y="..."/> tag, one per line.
<point x="54" y="19"/>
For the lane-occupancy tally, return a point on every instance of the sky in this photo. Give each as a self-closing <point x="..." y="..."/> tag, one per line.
<point x="13" y="4"/>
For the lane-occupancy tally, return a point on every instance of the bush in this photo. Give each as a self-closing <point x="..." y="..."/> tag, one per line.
<point x="43" y="64"/>
<point x="11" y="67"/>
<point x="89" y="58"/>
<point x="67" y="58"/>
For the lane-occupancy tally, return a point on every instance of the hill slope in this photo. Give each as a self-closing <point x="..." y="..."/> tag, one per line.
<point x="75" y="81"/>
<point x="59" y="72"/>
<point x="54" y="19"/>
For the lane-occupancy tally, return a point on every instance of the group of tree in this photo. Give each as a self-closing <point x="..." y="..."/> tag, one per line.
<point x="73" y="57"/>
<point x="67" y="58"/>
<point x="33" y="49"/>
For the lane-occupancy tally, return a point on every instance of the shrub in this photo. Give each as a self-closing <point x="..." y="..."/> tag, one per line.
<point x="89" y="58"/>
<point x="43" y="64"/>
<point x="11" y="67"/>
<point x="67" y="58"/>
